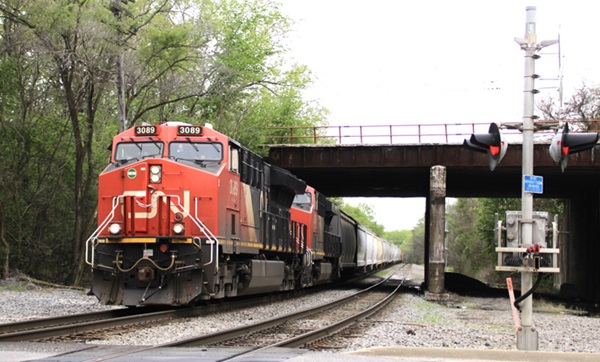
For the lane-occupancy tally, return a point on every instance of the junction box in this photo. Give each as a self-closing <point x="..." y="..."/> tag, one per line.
<point x="513" y="256"/>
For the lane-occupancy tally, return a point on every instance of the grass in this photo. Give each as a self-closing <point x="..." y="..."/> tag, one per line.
<point x="15" y="287"/>
<point x="429" y="313"/>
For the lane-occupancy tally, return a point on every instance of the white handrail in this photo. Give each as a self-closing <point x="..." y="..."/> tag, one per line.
<point x="212" y="239"/>
<point x="201" y="226"/>
<point x="89" y="248"/>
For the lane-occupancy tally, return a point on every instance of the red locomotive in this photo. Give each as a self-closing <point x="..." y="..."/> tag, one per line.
<point x="187" y="214"/>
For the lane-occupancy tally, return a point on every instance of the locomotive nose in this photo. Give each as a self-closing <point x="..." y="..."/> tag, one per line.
<point x="145" y="275"/>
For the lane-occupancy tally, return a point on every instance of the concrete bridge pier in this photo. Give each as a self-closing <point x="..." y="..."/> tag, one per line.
<point x="435" y="221"/>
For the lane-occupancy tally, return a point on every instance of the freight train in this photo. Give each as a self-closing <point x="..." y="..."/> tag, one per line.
<point x="186" y="214"/>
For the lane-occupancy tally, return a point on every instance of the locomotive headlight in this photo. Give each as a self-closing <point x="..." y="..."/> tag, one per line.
<point x="155" y="174"/>
<point x="114" y="229"/>
<point x="178" y="229"/>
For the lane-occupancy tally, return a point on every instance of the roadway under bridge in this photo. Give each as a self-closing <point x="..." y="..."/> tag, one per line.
<point x="404" y="171"/>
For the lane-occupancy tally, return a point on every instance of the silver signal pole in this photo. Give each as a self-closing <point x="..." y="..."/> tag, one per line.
<point x="527" y="335"/>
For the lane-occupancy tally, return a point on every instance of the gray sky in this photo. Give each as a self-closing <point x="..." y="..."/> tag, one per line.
<point x="407" y="62"/>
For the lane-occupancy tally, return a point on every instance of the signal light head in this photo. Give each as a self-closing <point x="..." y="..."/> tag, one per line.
<point x="490" y="143"/>
<point x="565" y="143"/>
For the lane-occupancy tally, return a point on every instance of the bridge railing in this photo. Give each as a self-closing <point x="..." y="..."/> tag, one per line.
<point x="442" y="133"/>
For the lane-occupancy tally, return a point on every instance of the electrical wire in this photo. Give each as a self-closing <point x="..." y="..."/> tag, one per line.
<point x="530" y="291"/>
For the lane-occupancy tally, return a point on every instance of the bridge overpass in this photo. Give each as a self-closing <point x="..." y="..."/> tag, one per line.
<point x="403" y="170"/>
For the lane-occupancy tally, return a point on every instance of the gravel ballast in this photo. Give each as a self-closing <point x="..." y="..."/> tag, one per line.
<point x="409" y="321"/>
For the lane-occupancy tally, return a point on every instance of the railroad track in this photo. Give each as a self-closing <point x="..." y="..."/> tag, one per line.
<point x="293" y="335"/>
<point x="301" y="336"/>
<point x="268" y="325"/>
<point x="298" y="329"/>
<point x="82" y="325"/>
<point x="59" y="327"/>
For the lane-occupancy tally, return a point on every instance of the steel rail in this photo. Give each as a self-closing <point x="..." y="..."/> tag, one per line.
<point x="247" y="329"/>
<point x="72" y="318"/>
<point x="81" y="327"/>
<point x="79" y="323"/>
<point x="232" y="333"/>
<point x="330" y="330"/>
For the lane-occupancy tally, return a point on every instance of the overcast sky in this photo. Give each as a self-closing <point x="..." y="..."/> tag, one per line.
<point x="406" y="62"/>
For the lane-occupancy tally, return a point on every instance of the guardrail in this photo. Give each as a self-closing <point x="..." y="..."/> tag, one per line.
<point x="441" y="133"/>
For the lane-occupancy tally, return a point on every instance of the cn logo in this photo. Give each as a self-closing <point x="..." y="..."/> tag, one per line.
<point x="157" y="197"/>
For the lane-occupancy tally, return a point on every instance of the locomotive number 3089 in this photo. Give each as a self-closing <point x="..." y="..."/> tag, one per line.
<point x="189" y="130"/>
<point x="145" y="130"/>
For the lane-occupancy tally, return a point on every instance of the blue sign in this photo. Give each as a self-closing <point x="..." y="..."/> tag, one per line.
<point x="533" y="184"/>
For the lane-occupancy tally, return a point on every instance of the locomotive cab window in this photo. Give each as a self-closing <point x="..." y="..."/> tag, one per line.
<point x="234" y="159"/>
<point x="126" y="151"/>
<point x="303" y="201"/>
<point x="196" y="151"/>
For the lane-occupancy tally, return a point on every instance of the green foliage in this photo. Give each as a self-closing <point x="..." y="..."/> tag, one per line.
<point x="365" y="215"/>
<point x="223" y="67"/>
<point x="246" y="38"/>
<point x="275" y="106"/>
<point x="8" y="86"/>
<point x="195" y="61"/>
<point x="471" y="239"/>
<point x="411" y="242"/>
<point x="470" y="250"/>
<point x="429" y="313"/>
<point x="19" y="286"/>
<point x="414" y="250"/>
<point x="256" y="90"/>
<point x="35" y="138"/>
<point x="401" y="238"/>
<point x="38" y="209"/>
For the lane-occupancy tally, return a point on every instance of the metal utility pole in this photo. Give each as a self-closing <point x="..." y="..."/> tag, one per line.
<point x="527" y="336"/>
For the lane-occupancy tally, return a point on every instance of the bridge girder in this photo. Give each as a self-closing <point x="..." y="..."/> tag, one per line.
<point x="403" y="170"/>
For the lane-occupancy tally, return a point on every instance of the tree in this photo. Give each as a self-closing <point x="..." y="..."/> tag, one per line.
<point x="470" y="233"/>
<point x="68" y="37"/>
<point x="182" y="60"/>
<point x="33" y="138"/>
<point x="224" y="67"/>
<point x="363" y="213"/>
<point x="401" y="238"/>
<point x="470" y="251"/>
<point x="414" y="250"/>
<point x="583" y="106"/>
